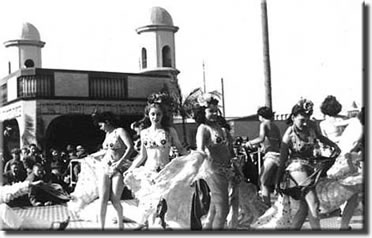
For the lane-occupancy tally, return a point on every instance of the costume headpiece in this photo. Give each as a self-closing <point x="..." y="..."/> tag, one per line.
<point x="306" y="105"/>
<point x="163" y="99"/>
<point x="209" y="98"/>
<point x="196" y="99"/>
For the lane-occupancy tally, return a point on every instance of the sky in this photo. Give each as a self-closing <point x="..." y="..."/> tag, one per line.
<point x="315" y="45"/>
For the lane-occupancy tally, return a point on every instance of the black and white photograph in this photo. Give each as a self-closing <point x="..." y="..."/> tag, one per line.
<point x="184" y="117"/>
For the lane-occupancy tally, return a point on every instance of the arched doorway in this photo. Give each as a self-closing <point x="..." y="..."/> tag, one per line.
<point x="78" y="129"/>
<point x="11" y="137"/>
<point x="73" y="129"/>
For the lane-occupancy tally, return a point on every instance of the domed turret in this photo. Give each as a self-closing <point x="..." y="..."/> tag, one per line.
<point x="28" y="45"/>
<point x="29" y="32"/>
<point x="160" y="16"/>
<point x="157" y="43"/>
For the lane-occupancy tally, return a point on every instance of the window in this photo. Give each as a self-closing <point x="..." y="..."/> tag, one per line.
<point x="29" y="63"/>
<point x="144" y="58"/>
<point x="167" y="59"/>
<point x="3" y="94"/>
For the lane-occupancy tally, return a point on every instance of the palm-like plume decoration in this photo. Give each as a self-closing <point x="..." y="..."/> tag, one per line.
<point x="195" y="99"/>
<point x="192" y="101"/>
<point x="189" y="103"/>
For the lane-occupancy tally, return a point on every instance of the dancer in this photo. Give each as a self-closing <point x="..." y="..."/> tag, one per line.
<point x="298" y="144"/>
<point x="157" y="137"/>
<point x="118" y="147"/>
<point x="346" y="175"/>
<point x="297" y="151"/>
<point x="10" y="220"/>
<point x="269" y="136"/>
<point x="333" y="124"/>
<point x="213" y="138"/>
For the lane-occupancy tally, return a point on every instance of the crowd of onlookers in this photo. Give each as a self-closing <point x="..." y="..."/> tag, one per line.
<point x="58" y="167"/>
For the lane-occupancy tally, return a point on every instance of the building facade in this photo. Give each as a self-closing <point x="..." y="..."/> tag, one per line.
<point x="53" y="107"/>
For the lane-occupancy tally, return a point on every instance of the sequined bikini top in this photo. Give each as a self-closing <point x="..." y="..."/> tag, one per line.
<point x="112" y="141"/>
<point x="158" y="139"/>
<point x="302" y="147"/>
<point x="216" y="139"/>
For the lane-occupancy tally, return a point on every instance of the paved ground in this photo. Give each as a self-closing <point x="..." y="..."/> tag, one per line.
<point x="60" y="213"/>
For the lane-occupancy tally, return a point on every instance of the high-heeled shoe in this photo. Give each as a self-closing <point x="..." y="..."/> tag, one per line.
<point x="139" y="227"/>
<point x="60" y="225"/>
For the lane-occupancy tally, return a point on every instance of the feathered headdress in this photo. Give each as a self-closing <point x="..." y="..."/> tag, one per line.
<point x="197" y="98"/>
<point x="206" y="99"/>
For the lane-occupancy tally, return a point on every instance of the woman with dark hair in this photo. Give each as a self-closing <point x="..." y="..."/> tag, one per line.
<point x="157" y="137"/>
<point x="214" y="140"/>
<point x="101" y="173"/>
<point x="333" y="124"/>
<point x="269" y="136"/>
<point x="118" y="148"/>
<point x="298" y="160"/>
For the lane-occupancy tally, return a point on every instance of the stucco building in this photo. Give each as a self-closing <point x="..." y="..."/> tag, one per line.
<point x="52" y="107"/>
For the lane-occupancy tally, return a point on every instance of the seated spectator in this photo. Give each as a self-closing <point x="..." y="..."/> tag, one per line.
<point x="16" y="156"/>
<point x="28" y="163"/>
<point x="71" y="153"/>
<point x="9" y="219"/>
<point x="24" y="151"/>
<point x="56" y="163"/>
<point x="73" y="169"/>
<point x="49" y="193"/>
<point x="81" y="152"/>
<point x="35" y="153"/>
<point x="13" y="176"/>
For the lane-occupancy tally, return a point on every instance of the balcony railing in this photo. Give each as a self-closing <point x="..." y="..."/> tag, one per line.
<point x="108" y="88"/>
<point x="35" y="86"/>
<point x="42" y="86"/>
<point x="35" y="83"/>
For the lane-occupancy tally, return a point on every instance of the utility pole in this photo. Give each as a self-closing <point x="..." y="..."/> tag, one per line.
<point x="266" y="54"/>
<point x="223" y="97"/>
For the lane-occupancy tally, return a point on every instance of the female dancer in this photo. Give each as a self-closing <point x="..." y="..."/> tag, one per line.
<point x="157" y="137"/>
<point x="213" y="138"/>
<point x="346" y="174"/>
<point x="333" y="124"/>
<point x="298" y="144"/>
<point x="297" y="151"/>
<point x="118" y="147"/>
<point x="269" y="136"/>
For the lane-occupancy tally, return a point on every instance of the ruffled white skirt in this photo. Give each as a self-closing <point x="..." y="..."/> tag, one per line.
<point x="172" y="183"/>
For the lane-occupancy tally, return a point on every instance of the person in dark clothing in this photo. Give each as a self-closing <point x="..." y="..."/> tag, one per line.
<point x="15" y="175"/>
<point x="51" y="193"/>
<point x="28" y="163"/>
<point x="16" y="156"/>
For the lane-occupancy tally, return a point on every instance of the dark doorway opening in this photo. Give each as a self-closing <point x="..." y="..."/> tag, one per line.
<point x="78" y="129"/>
<point x="73" y="129"/>
<point x="11" y="137"/>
